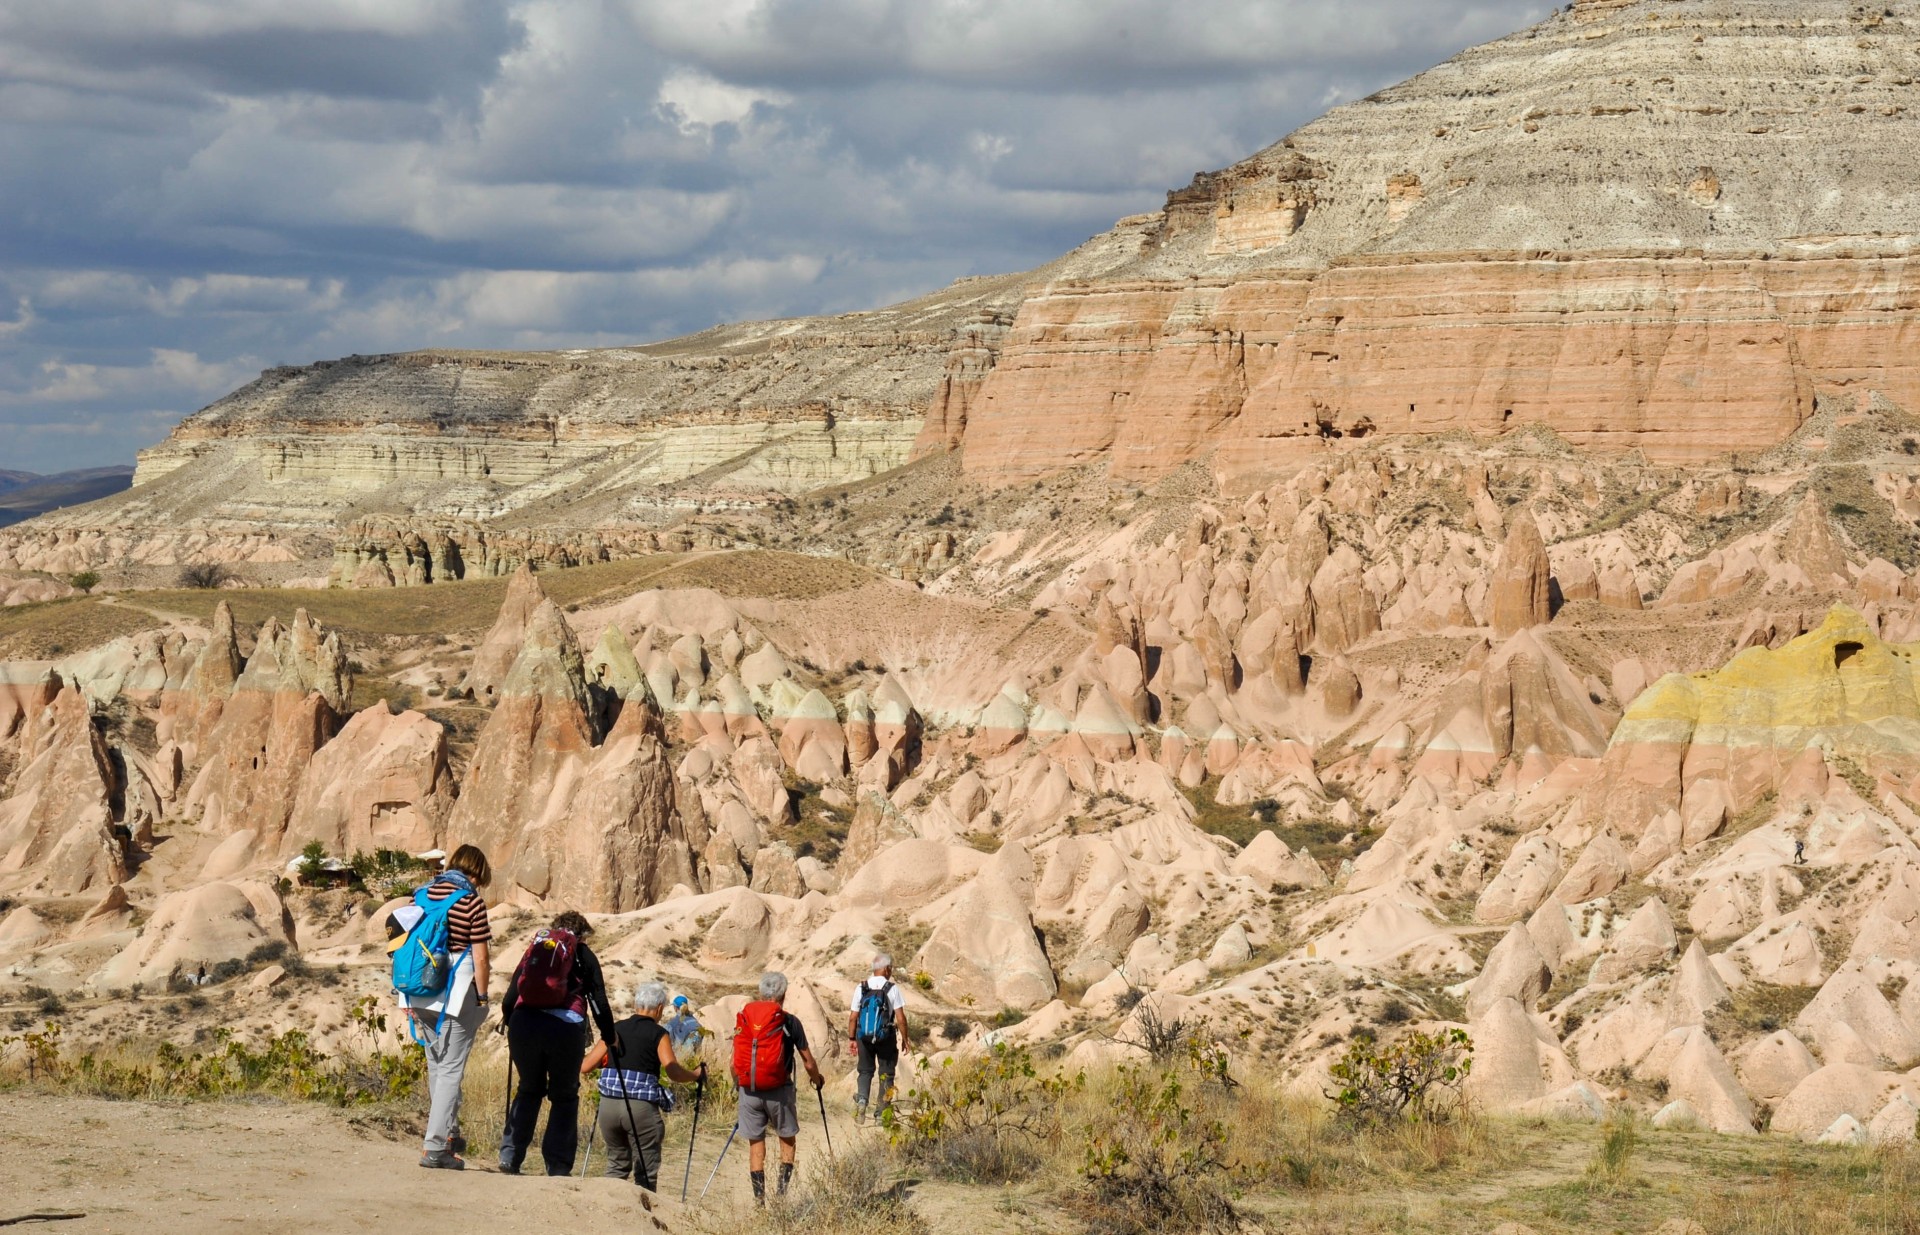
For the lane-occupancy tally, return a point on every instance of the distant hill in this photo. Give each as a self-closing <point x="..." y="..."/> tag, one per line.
<point x="26" y="494"/>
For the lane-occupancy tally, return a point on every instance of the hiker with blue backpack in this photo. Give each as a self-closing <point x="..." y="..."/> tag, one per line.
<point x="556" y="986"/>
<point x="440" y="946"/>
<point x="877" y="1029"/>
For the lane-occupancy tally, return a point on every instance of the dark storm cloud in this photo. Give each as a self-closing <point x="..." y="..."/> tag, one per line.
<point x="198" y="188"/>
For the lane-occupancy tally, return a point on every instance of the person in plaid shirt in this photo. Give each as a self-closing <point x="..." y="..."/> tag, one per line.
<point x="633" y="1101"/>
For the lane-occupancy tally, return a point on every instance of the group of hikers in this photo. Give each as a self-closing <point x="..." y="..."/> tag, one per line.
<point x="557" y="1000"/>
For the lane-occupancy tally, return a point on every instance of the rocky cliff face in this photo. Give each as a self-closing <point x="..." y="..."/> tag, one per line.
<point x="1648" y="226"/>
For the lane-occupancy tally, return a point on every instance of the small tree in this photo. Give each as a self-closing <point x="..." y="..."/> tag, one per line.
<point x="311" y="856"/>
<point x="203" y="575"/>
<point x="85" y="581"/>
<point x="1417" y="1079"/>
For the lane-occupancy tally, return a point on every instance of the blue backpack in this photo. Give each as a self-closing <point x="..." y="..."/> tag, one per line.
<point x="876" y="1014"/>
<point x="420" y="966"/>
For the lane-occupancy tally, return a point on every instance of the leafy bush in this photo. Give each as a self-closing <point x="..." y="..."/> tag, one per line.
<point x="203" y="575"/>
<point x="287" y="1065"/>
<point x="386" y="873"/>
<point x="1155" y="1164"/>
<point x="984" y="1117"/>
<point x="1417" y="1079"/>
<point x="86" y="580"/>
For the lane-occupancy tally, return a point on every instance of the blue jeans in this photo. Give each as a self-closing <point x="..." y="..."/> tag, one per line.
<point x="546" y="1053"/>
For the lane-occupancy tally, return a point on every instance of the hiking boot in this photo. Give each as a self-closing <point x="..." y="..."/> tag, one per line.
<point x="759" y="1179"/>
<point x="442" y="1160"/>
<point x="786" y="1177"/>
<point x="859" y="1113"/>
<point x="509" y="1170"/>
<point x="457" y="1145"/>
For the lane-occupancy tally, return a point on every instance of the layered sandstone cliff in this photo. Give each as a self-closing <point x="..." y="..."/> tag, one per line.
<point x="1666" y="227"/>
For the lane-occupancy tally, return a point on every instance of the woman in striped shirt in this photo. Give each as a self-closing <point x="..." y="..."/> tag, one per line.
<point x="469" y="940"/>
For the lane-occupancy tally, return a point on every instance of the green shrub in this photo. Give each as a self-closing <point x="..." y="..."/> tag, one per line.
<point x="86" y="580"/>
<point x="1154" y="1164"/>
<point x="287" y="1065"/>
<point x="1611" y="1169"/>
<point x="1416" y="1079"/>
<point x="985" y="1117"/>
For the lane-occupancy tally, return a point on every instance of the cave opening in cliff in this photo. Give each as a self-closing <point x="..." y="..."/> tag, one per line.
<point x="1844" y="652"/>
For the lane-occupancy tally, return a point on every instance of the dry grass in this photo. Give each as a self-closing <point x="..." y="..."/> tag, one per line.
<point x="464" y="606"/>
<point x="63" y="627"/>
<point x="1290" y="1166"/>
<point x="766" y="573"/>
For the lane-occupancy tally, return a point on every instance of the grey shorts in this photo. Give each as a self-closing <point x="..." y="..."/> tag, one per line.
<point x="761" y="1109"/>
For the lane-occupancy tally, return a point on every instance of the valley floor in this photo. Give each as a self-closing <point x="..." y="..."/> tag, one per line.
<point x="271" y="1167"/>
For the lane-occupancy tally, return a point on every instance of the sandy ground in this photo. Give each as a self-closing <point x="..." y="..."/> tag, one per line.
<point x="142" y="1168"/>
<point x="263" y="1168"/>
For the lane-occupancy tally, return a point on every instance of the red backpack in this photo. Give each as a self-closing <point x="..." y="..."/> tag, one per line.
<point x="760" y="1046"/>
<point x="545" y="979"/>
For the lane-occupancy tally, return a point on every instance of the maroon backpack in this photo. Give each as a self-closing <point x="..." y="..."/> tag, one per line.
<point x="545" y="978"/>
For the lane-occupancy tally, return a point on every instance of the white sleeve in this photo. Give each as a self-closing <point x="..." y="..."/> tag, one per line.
<point x="855" y="1005"/>
<point x="898" y="997"/>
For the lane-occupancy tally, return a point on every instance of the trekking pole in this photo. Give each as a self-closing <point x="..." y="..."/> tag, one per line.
<point x="821" y="1093"/>
<point x="506" y="1113"/>
<point x="699" y="1093"/>
<point x="593" y="1125"/>
<point x="722" y="1158"/>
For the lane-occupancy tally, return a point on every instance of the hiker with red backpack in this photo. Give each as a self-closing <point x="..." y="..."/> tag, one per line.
<point x="766" y="1039"/>
<point x="556" y="986"/>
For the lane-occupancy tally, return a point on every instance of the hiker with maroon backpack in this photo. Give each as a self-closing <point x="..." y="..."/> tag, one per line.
<point x="766" y="1039"/>
<point x="556" y="987"/>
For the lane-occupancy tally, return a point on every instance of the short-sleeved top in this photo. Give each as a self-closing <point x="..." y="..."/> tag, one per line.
<point x="639" y="1040"/>
<point x="796" y="1035"/>
<point x="467" y="922"/>
<point x="895" y="997"/>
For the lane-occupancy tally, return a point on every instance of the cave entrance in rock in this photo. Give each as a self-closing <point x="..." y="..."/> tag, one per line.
<point x="1844" y="652"/>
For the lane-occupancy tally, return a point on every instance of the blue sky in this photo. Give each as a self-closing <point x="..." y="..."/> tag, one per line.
<point x="198" y="189"/>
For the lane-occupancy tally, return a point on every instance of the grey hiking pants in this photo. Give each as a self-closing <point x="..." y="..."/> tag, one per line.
<point x="641" y="1138"/>
<point x="446" y="1068"/>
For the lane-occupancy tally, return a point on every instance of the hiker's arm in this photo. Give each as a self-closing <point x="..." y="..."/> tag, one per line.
<point x="482" y="968"/>
<point x="853" y="1025"/>
<point x="595" y="1058"/>
<point x="813" y="1069"/>
<point x="900" y="1023"/>
<point x="598" y="1005"/>
<point x="509" y="1000"/>
<point x="672" y="1068"/>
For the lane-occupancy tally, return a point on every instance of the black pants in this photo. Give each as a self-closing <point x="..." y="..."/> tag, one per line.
<point x="546" y="1053"/>
<point x="882" y="1059"/>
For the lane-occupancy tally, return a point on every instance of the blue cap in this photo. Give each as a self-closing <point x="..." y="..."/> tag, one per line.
<point x="679" y="1001"/>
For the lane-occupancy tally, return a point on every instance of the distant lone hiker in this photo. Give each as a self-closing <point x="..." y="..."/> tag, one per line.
<point x="877" y="1028"/>
<point x="766" y="1039"/>
<point x="683" y="1026"/>
<point x="1799" y="852"/>
<point x="555" y="987"/>
<point x="633" y="1102"/>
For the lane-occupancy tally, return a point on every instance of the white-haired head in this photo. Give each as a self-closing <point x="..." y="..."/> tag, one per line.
<point x="649" y="997"/>
<point x="773" y="986"/>
<point x="882" y="962"/>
